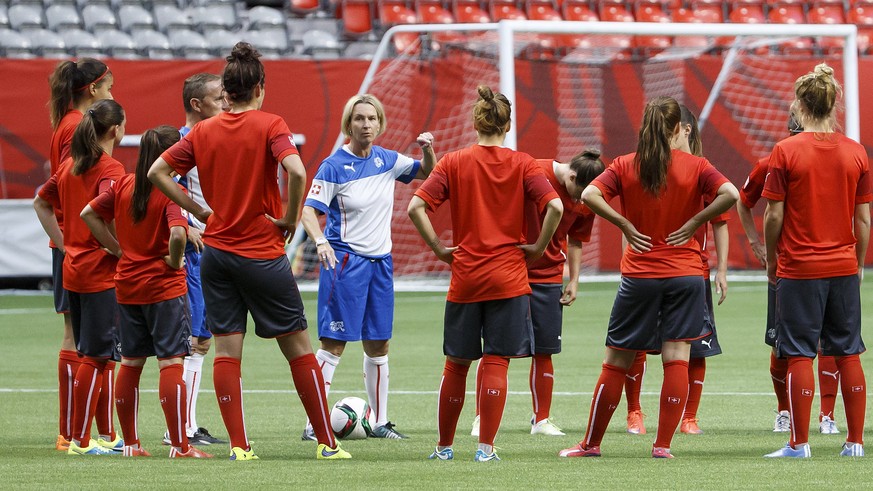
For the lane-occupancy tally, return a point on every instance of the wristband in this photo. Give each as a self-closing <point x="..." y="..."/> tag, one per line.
<point x="320" y="241"/>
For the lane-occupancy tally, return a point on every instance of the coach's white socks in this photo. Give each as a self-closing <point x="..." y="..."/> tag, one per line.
<point x="193" y="366"/>
<point x="328" y="363"/>
<point x="376" y="382"/>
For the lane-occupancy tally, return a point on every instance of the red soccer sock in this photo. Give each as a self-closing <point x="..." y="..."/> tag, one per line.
<point x="174" y="402"/>
<point x="228" y="390"/>
<point x="633" y="382"/>
<point x="542" y="382"/>
<point x="779" y="373"/>
<point x="828" y="383"/>
<point x="309" y="383"/>
<point x="854" y="388"/>
<point x="452" y="390"/>
<point x="68" y="365"/>
<point x="674" y="394"/>
<point x="492" y="396"/>
<point x="479" y="369"/>
<point x="607" y="395"/>
<point x="801" y="391"/>
<point x="127" y="402"/>
<point x="86" y="391"/>
<point x="104" y="415"/>
<point x="696" y="375"/>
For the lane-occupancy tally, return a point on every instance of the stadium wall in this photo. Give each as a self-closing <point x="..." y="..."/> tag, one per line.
<point x="310" y="96"/>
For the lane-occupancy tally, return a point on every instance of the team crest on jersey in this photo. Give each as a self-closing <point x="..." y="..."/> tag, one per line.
<point x="184" y="213"/>
<point x="291" y="140"/>
<point x="315" y="189"/>
<point x="378" y="161"/>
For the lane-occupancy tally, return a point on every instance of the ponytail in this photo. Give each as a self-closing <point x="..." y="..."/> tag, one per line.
<point x="491" y="113"/>
<point x="68" y="83"/>
<point x="97" y="121"/>
<point x="151" y="145"/>
<point x="660" y="118"/>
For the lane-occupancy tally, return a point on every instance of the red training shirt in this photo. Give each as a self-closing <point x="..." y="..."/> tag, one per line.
<point x="820" y="181"/>
<point x="689" y="180"/>
<point x="59" y="151"/>
<point x="237" y="157"/>
<point x="754" y="186"/>
<point x="487" y="187"/>
<point x="87" y="267"/>
<point x="142" y="277"/>
<point x="576" y="222"/>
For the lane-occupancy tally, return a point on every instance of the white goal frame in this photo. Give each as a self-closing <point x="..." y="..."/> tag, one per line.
<point x="507" y="29"/>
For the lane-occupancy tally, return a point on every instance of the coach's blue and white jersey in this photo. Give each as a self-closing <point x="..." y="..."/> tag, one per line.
<point x="191" y="182"/>
<point x="357" y="194"/>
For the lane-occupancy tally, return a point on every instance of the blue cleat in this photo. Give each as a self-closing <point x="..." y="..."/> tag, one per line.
<point x="116" y="445"/>
<point x="481" y="456"/>
<point x="92" y="449"/>
<point x="801" y="452"/>
<point x="852" y="450"/>
<point x="444" y="454"/>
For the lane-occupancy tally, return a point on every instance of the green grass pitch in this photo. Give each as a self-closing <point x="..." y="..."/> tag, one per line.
<point x="736" y="415"/>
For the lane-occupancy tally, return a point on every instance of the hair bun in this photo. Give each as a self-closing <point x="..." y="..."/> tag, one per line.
<point x="591" y="153"/>
<point x="243" y="52"/>
<point x="822" y="69"/>
<point x="485" y="93"/>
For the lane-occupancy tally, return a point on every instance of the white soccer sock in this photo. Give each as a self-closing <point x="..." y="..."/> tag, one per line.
<point x="193" y="366"/>
<point x="376" y="382"/>
<point x="328" y="363"/>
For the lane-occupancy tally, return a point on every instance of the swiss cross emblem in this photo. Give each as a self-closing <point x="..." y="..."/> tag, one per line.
<point x="316" y="189"/>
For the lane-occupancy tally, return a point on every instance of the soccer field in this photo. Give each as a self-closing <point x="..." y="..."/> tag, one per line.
<point x="736" y="415"/>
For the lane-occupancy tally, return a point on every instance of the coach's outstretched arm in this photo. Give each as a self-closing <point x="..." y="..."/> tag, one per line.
<point x="418" y="214"/>
<point x="160" y="175"/>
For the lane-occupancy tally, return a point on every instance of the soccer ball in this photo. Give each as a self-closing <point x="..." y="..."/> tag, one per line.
<point x="350" y="419"/>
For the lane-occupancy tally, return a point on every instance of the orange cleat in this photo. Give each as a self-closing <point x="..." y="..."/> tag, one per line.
<point x="635" y="423"/>
<point x="131" y="451"/>
<point x="192" y="453"/>
<point x="661" y="453"/>
<point x="63" y="444"/>
<point x="580" y="451"/>
<point x="689" y="426"/>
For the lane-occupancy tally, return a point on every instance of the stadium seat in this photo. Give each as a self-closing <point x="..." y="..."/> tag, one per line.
<point x="23" y="17"/>
<point x="304" y="7"/>
<point x="221" y="41"/>
<point x="576" y="10"/>
<point x="221" y="16"/>
<point x="321" y="44"/>
<point x="614" y="12"/>
<point x="542" y="10"/>
<point x="394" y="12"/>
<point x="791" y="14"/>
<point x="81" y="43"/>
<point x="432" y="12"/>
<point x="297" y="27"/>
<point x="133" y="17"/>
<point x="46" y="44"/>
<point x="747" y="14"/>
<point x="505" y="9"/>
<point x="861" y="15"/>
<point x="272" y="43"/>
<point x="58" y="17"/>
<point x="651" y="12"/>
<point x="827" y="14"/>
<point x="357" y="17"/>
<point x="261" y="17"/>
<point x="690" y="16"/>
<point x="14" y="45"/>
<point x="4" y="16"/>
<point x="169" y="18"/>
<point x="361" y="50"/>
<point x="118" y="44"/>
<point x="711" y="12"/>
<point x="153" y="44"/>
<point x="98" y="17"/>
<point x="189" y="44"/>
<point x="469" y="11"/>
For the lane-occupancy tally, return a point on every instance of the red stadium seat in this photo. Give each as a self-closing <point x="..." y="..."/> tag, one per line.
<point x="861" y="15"/>
<point x="827" y="14"/>
<point x="393" y="12"/>
<point x="651" y="12"/>
<point x="791" y="14"/>
<point x="357" y="17"/>
<point x="577" y="10"/>
<point x="432" y="12"/>
<point x="542" y="10"/>
<point x="469" y="11"/>
<point x="303" y="7"/>
<point x="865" y="40"/>
<point x="712" y="13"/>
<point x="747" y="14"/>
<point x="689" y="16"/>
<point x="505" y="9"/>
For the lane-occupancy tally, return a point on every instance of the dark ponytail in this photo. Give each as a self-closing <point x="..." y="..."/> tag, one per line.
<point x="69" y="83"/>
<point x="97" y="121"/>
<point x="151" y="146"/>
<point x="695" y="144"/>
<point x="660" y="118"/>
<point x="243" y="72"/>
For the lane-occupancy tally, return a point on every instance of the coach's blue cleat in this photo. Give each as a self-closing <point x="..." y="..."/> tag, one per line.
<point x="801" y="452"/>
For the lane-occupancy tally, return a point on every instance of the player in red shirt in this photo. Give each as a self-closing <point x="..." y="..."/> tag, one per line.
<point x="88" y="269"/>
<point x="488" y="298"/>
<point x="74" y="87"/>
<point x="244" y="268"/>
<point x="657" y="307"/>
<point x="815" y="255"/>
<point x="151" y="291"/>
<point x="546" y="276"/>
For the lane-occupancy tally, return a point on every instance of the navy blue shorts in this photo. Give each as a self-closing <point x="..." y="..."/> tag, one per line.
<point x="651" y="311"/>
<point x="61" y="296"/>
<point x="547" y="316"/>
<point x="161" y="329"/>
<point x="195" y="293"/>
<point x="356" y="299"/>
<point x="503" y="325"/>
<point x="95" y="324"/>
<point x="708" y="346"/>
<point x="770" y="335"/>
<point x="826" y="310"/>
<point x="234" y="286"/>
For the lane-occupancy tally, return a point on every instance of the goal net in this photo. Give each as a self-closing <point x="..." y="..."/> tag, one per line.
<point x="583" y="84"/>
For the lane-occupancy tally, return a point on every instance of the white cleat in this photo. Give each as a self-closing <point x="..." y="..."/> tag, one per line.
<point x="546" y="427"/>
<point x="852" y="450"/>
<point x="828" y="426"/>
<point x="782" y="423"/>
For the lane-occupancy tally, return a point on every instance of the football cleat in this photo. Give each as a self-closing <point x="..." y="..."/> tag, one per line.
<point x="852" y="450"/>
<point x="202" y="437"/>
<point x="326" y="453"/>
<point x="481" y="456"/>
<point x="444" y="454"/>
<point x="546" y="427"/>
<point x="635" y="424"/>
<point x="580" y="451"/>
<point x="237" y="453"/>
<point x="689" y="426"/>
<point x="92" y="449"/>
<point x="62" y="444"/>
<point x="166" y="440"/>
<point x="387" y="431"/>
<point x="131" y="451"/>
<point x="192" y="453"/>
<point x="801" y="452"/>
<point x="782" y="423"/>
<point x="115" y="445"/>
<point x="828" y="426"/>
<point x="475" y="430"/>
<point x="661" y="453"/>
<point x="308" y="434"/>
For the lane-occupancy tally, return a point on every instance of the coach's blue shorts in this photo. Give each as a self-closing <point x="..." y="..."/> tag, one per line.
<point x="356" y="299"/>
<point x="825" y="310"/>
<point x="195" y="293"/>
